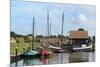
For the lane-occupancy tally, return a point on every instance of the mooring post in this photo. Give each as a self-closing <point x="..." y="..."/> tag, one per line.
<point x="16" y="51"/>
<point x="23" y="50"/>
<point x="16" y="55"/>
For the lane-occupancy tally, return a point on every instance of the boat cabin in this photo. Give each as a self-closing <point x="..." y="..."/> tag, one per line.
<point x="77" y="38"/>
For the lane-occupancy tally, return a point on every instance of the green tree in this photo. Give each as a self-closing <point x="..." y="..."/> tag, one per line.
<point x="13" y="34"/>
<point x="26" y="39"/>
<point x="90" y="39"/>
<point x="61" y="36"/>
<point x="93" y="38"/>
<point x="29" y="35"/>
<point x="80" y="29"/>
<point x="93" y="42"/>
<point x="18" y="35"/>
<point x="39" y="36"/>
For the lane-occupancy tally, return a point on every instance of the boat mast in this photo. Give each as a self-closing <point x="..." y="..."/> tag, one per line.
<point x="50" y="29"/>
<point x="48" y="26"/>
<point x="33" y="34"/>
<point x="48" y="23"/>
<point x="62" y="29"/>
<point x="62" y="34"/>
<point x="62" y="23"/>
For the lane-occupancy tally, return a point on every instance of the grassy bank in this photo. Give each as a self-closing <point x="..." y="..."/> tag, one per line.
<point x="21" y="46"/>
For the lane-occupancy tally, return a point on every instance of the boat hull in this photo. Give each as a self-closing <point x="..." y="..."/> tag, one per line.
<point x="83" y="50"/>
<point x="32" y="56"/>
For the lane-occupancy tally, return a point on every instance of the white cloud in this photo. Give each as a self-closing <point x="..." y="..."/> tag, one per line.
<point x="79" y="19"/>
<point x="82" y="18"/>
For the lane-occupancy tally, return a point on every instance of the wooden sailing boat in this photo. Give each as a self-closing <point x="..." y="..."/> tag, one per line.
<point x="33" y="52"/>
<point x="45" y="52"/>
<point x="59" y="49"/>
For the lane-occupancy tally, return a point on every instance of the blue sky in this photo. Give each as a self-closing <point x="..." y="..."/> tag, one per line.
<point x="75" y="16"/>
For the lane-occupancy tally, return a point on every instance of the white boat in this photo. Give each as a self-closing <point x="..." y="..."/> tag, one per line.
<point x="53" y="47"/>
<point x="56" y="49"/>
<point x="83" y="48"/>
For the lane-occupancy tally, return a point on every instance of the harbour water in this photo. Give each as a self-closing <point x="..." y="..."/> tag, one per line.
<point x="57" y="58"/>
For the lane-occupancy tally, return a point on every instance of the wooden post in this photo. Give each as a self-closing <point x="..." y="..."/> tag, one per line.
<point x="16" y="51"/>
<point x="16" y="56"/>
<point x="16" y="63"/>
<point x="23" y="50"/>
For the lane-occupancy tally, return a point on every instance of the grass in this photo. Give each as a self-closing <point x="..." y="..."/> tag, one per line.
<point x="21" y="46"/>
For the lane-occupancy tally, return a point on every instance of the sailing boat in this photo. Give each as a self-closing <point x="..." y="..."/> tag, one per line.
<point x="84" y="48"/>
<point x="49" y="32"/>
<point x="58" y="49"/>
<point x="33" y="52"/>
<point x="43" y="51"/>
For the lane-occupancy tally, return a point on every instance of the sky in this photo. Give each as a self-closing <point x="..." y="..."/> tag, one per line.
<point x="75" y="16"/>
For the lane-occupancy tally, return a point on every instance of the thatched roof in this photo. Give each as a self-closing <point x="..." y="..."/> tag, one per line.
<point x="78" y="34"/>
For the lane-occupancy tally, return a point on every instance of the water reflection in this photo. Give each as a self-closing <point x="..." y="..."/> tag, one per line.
<point x="79" y="57"/>
<point x="32" y="62"/>
<point x="44" y="60"/>
<point x="58" y="58"/>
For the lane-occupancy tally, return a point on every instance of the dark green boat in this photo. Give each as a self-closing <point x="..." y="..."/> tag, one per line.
<point x="31" y="53"/>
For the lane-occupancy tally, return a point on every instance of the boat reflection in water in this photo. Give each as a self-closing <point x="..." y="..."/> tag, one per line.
<point x="36" y="61"/>
<point x="79" y="57"/>
<point x="28" y="62"/>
